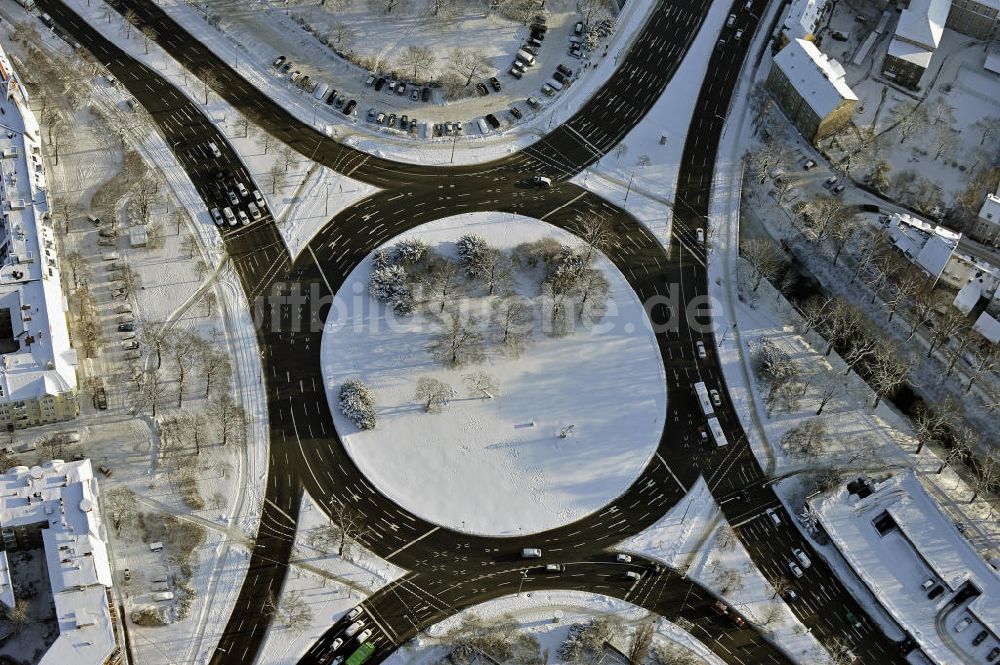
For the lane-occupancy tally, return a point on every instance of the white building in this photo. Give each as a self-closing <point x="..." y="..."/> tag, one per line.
<point x="38" y="382"/>
<point x="803" y="19"/>
<point x="55" y="507"/>
<point x="929" y="247"/>
<point x="896" y="539"/>
<point x="986" y="227"/>
<point x="917" y="36"/>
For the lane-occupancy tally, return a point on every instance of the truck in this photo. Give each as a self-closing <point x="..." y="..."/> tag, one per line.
<point x="717" y="434"/>
<point x="701" y="391"/>
<point x="363" y="653"/>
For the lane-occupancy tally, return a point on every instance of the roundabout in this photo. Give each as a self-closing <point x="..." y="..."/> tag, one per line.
<point x="559" y="438"/>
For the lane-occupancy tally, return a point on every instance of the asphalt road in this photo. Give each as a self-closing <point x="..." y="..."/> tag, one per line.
<point x="452" y="570"/>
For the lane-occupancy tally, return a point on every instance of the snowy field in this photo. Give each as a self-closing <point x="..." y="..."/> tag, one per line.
<point x="547" y="616"/>
<point x="498" y="466"/>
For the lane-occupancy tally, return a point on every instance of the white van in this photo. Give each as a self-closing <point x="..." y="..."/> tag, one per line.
<point x="531" y="553"/>
<point x="321" y="91"/>
<point x="156" y="547"/>
<point x="111" y="256"/>
<point x="163" y="595"/>
<point x="554" y="84"/>
<point x="483" y="127"/>
<point x="525" y="57"/>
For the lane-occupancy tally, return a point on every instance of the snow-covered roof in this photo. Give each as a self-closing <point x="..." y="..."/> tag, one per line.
<point x="922" y="22"/>
<point x="63" y="498"/>
<point x="990" y="212"/>
<point x="916" y="542"/>
<point x="988" y="327"/>
<point x="40" y="360"/>
<point x="802" y="17"/>
<point x="818" y="79"/>
<point x="929" y="246"/>
<point x="911" y="53"/>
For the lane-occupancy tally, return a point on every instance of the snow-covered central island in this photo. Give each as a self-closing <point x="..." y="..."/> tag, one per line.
<point x="499" y="465"/>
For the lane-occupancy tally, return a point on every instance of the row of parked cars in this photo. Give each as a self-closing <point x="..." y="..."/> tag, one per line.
<point x="980" y="636"/>
<point x="405" y="122"/>
<point x="398" y="88"/>
<point x="525" y="56"/>
<point x="323" y="92"/>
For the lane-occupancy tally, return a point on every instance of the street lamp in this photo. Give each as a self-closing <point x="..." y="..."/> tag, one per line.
<point x="629" y="187"/>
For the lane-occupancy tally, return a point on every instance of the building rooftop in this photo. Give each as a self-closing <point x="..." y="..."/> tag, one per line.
<point x="990" y="212"/>
<point x="929" y="246"/>
<point x="896" y="538"/>
<point x="818" y="79"/>
<point x="987" y="326"/>
<point x="800" y="21"/>
<point x="63" y="498"/>
<point x="35" y="353"/>
<point x="911" y="53"/>
<point x="922" y="22"/>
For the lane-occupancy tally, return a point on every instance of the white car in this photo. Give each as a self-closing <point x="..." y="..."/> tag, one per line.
<point x="802" y="557"/>
<point x="254" y="210"/>
<point x="531" y="553"/>
<point x="258" y="198"/>
<point x="794" y="567"/>
<point x="243" y="217"/>
<point x="623" y="558"/>
<point x="336" y="644"/>
<point x="242" y="189"/>
<point x="775" y="517"/>
<point x="714" y="394"/>
<point x="354" y="613"/>
<point x="354" y="628"/>
<point x="217" y="217"/>
<point x="700" y="346"/>
<point x="700" y="235"/>
<point x="230" y="216"/>
<point x="365" y="634"/>
<point x="963" y="624"/>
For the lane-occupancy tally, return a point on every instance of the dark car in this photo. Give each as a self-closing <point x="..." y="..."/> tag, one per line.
<point x="492" y="120"/>
<point x="404" y="122"/>
<point x="495" y="82"/>
<point x="379" y="82"/>
<point x="537" y="34"/>
<point x="559" y="76"/>
<point x="482" y="89"/>
<point x="105" y="470"/>
<point x="850" y="617"/>
<point x="980" y="638"/>
<point x="126" y="327"/>
<point x="340" y="101"/>
<point x="101" y="398"/>
<point x="279" y="61"/>
<point x="516" y="112"/>
<point x="425" y="94"/>
<point x="992" y="655"/>
<point x="332" y="97"/>
<point x="564" y="70"/>
<point x="391" y="121"/>
<point x="528" y="48"/>
<point x="935" y="592"/>
<point x="350" y="107"/>
<point x="516" y="73"/>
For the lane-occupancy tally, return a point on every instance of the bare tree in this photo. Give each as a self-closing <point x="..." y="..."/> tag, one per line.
<point x="418" y="59"/>
<point x="286" y="155"/>
<point x="130" y="19"/>
<point x="481" y="384"/>
<point x="442" y="283"/>
<point x="963" y="441"/>
<point x="210" y="80"/>
<point x="987" y="473"/>
<point x="433" y="394"/>
<point x="19" y="615"/>
<point x="763" y="259"/>
<point x="470" y="63"/>
<point x="987" y="360"/>
<point x="148" y="35"/>
<point x="512" y="317"/>
<point x="266" y="141"/>
<point x="597" y="235"/>
<point x="912" y="119"/>
<point x="275" y="178"/>
<point x="780" y="583"/>
<point x="182" y="345"/>
<point x="242" y="123"/>
<point x="120" y="505"/>
<point x="352" y="525"/>
<point x="386" y="7"/>
<point x="808" y="439"/>
<point x="829" y="387"/>
<point x="230" y="417"/>
<point x="214" y="365"/>
<point x="341" y="36"/>
<point x="642" y="639"/>
<point x="193" y="425"/>
<point x="988" y="128"/>
<point x="590" y="8"/>
<point x="887" y="370"/>
<point x="460" y="343"/>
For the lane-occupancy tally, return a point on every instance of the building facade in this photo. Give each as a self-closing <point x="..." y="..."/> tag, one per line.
<point x="976" y="18"/>
<point x="811" y="89"/>
<point x="985" y="228"/>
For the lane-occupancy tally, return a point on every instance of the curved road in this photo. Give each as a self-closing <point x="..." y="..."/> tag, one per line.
<point x="454" y="570"/>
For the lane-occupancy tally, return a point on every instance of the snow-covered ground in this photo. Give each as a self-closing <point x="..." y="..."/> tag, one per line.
<point x="498" y="466"/>
<point x="690" y="538"/>
<point x="547" y="616"/>
<point x="329" y="584"/>
<point x="257" y="36"/>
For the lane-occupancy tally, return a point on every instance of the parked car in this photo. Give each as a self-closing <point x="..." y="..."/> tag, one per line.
<point x="516" y="112"/>
<point x="963" y="624"/>
<point x="105" y="470"/>
<point x="279" y="61"/>
<point x="492" y="120"/>
<point x="980" y="638"/>
<point x="379" y="82"/>
<point x="621" y="557"/>
<point x="809" y="165"/>
<point x="217" y="216"/>
<point x="852" y="619"/>
<point x="380" y="119"/>
<point x="401" y="88"/>
<point x="391" y="121"/>
<point x="243" y="217"/>
<point x="414" y="94"/>
<point x="371" y="114"/>
<point x="935" y="592"/>
<point x="564" y="70"/>
<point x="794" y="567"/>
<point x="534" y="103"/>
<point x="482" y="89"/>
<point x="515" y="72"/>
<point x="370" y="80"/>
<point x="349" y="107"/>
<point x="495" y="82"/>
<point x="802" y="557"/>
<point x="554" y="568"/>
<point x="425" y="94"/>
<point x="578" y="28"/>
<point x="126" y="327"/>
<point x="541" y="181"/>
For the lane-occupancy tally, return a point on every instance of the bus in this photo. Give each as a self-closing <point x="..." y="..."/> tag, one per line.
<point x="717" y="434"/>
<point x="363" y="653"/>
<point x="706" y="404"/>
